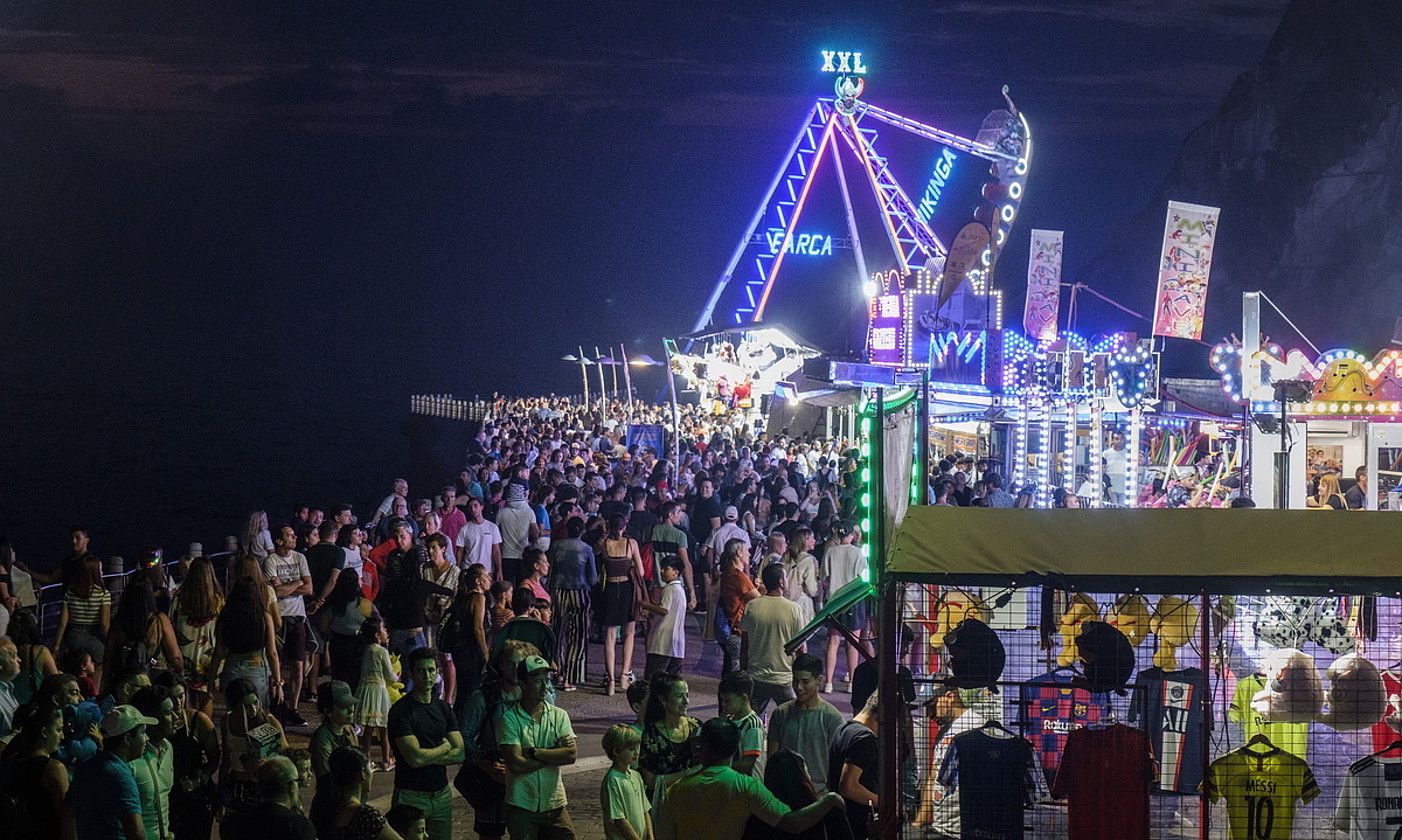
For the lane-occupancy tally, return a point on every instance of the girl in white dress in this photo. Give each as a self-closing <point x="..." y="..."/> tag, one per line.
<point x="372" y="698"/>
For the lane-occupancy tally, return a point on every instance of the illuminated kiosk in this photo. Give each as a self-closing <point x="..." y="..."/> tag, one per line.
<point x="1342" y="411"/>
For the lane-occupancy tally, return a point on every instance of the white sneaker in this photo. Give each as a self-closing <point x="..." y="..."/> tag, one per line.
<point x="827" y="688"/>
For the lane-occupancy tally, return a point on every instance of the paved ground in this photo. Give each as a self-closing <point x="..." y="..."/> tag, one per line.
<point x="591" y="713"/>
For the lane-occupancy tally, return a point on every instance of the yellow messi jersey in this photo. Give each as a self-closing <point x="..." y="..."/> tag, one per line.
<point x="1261" y="786"/>
<point x="1291" y="737"/>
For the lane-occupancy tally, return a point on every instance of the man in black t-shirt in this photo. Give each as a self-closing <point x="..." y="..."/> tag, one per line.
<point x="852" y="769"/>
<point x="423" y="728"/>
<point x="705" y="518"/>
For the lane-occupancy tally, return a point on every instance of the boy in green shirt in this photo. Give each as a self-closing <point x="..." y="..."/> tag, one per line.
<point x="734" y="702"/>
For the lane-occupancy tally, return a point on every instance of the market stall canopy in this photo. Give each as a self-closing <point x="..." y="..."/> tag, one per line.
<point x="1154" y="550"/>
<point x="776" y="335"/>
<point x="839" y="603"/>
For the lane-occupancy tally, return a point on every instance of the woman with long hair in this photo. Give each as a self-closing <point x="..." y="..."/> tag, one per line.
<point x="35" y="660"/>
<point x="442" y="571"/>
<point x="1328" y="495"/>
<point x="251" y="568"/>
<point x="197" y="604"/>
<point x="465" y="632"/>
<point x="801" y="572"/>
<point x="623" y="576"/>
<point x="86" y="614"/>
<point x="245" y="643"/>
<point x="341" y="809"/>
<point x="31" y="775"/>
<point x="346" y="609"/>
<point x="195" y="744"/>
<point x="256" y="539"/>
<point x="671" y="737"/>
<point x="246" y="741"/>
<point x="141" y="636"/>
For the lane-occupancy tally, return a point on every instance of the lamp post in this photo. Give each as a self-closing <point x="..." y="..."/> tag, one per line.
<point x="580" y="360"/>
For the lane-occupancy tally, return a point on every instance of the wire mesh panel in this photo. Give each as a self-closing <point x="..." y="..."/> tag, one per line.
<point x="1245" y="717"/>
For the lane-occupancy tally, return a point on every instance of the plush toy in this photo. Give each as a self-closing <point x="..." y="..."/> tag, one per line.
<point x="1357" y="697"/>
<point x="1082" y="608"/>
<point x="1288" y="622"/>
<point x="396" y="688"/>
<point x="1130" y="616"/>
<point x="953" y="606"/>
<point x="1293" y="692"/>
<point x="1108" y="658"/>
<point x="1173" y="624"/>
<point x="976" y="655"/>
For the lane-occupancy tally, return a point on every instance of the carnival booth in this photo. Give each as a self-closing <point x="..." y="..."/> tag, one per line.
<point x="1319" y="415"/>
<point x="1145" y="674"/>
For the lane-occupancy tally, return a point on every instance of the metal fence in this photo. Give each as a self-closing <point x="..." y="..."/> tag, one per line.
<point x="50" y="597"/>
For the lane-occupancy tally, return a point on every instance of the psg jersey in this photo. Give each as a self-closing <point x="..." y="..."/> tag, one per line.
<point x="1051" y="709"/>
<point x="996" y="776"/>
<point x="1169" y="706"/>
<point x="1370" y="808"/>
<point x="1104" y="778"/>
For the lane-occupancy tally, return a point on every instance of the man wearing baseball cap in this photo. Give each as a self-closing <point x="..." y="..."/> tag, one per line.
<point x="536" y="740"/>
<point x="103" y="802"/>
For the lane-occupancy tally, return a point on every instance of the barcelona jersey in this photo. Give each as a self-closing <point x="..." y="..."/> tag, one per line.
<point x="1051" y="710"/>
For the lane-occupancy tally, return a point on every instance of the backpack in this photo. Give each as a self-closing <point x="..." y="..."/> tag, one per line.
<point x="722" y="623"/>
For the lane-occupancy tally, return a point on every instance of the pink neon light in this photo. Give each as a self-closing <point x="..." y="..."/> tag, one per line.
<point x="797" y="211"/>
<point x="871" y="175"/>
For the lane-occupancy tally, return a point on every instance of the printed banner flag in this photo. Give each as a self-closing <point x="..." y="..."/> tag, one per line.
<point x="1043" y="285"/>
<point x="647" y="436"/>
<point x="1188" y="235"/>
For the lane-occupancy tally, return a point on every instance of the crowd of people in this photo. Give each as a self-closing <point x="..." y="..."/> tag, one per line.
<point x="441" y="631"/>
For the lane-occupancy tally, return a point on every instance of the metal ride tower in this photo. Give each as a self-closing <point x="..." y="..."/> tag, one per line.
<point x="845" y="125"/>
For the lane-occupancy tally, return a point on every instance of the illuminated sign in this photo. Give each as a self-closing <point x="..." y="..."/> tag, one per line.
<point x="939" y="176"/>
<point x="808" y="244"/>
<point x="886" y="343"/>
<point x="847" y="62"/>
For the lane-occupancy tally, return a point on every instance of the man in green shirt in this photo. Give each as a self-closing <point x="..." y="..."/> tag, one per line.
<point x="667" y="539"/>
<point x="715" y="802"/>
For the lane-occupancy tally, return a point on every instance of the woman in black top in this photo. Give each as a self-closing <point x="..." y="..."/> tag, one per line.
<point x="32" y="776"/>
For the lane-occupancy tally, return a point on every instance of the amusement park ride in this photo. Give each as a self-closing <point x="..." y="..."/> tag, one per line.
<point x="932" y="306"/>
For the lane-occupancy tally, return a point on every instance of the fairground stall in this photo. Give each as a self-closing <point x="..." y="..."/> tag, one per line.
<point x="1333" y="413"/>
<point x="1142" y="674"/>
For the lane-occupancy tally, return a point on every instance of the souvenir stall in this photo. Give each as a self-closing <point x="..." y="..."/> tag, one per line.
<point x="1144" y="674"/>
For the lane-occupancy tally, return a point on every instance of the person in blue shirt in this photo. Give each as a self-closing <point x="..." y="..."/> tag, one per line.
<point x="103" y="803"/>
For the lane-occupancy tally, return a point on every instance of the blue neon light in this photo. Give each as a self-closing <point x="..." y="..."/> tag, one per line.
<point x="939" y="176"/>
<point x="808" y="244"/>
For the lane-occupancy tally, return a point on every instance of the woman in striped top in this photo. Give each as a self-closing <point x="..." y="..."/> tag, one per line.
<point x="86" y="615"/>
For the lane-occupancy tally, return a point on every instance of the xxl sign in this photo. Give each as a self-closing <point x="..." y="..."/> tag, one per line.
<point x="846" y="62"/>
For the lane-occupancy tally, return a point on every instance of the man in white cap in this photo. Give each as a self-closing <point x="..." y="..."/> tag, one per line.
<point x="519" y="530"/>
<point x="103" y="803"/>
<point x="729" y="530"/>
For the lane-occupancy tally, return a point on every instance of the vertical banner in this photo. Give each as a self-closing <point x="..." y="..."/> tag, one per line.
<point x="1043" y="285"/>
<point x="1188" y="234"/>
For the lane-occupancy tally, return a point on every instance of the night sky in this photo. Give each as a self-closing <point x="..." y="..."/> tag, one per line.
<point x="235" y="242"/>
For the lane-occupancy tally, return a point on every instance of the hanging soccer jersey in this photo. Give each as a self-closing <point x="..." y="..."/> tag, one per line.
<point x="1169" y="705"/>
<point x="996" y="775"/>
<point x="1104" y="777"/>
<point x="1261" y="785"/>
<point x="1051" y="709"/>
<point x="1370" y="807"/>
<point x="1291" y="737"/>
